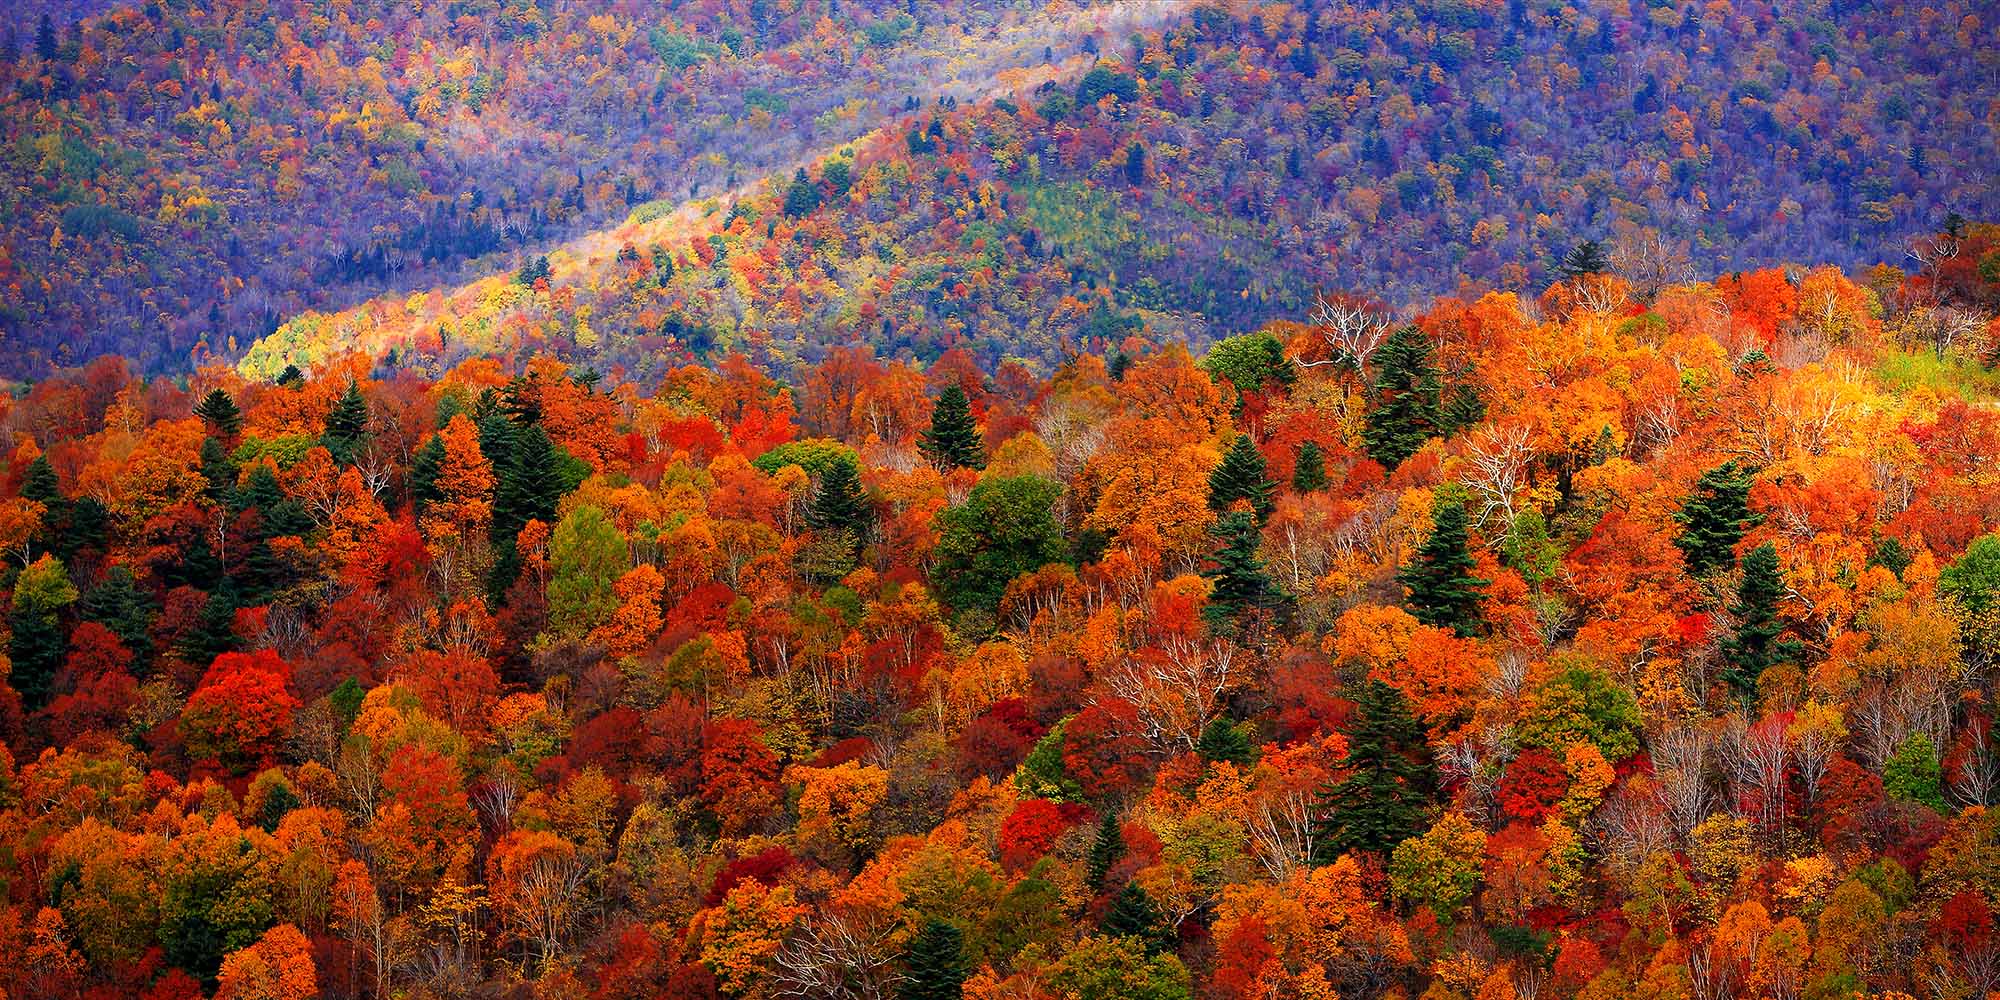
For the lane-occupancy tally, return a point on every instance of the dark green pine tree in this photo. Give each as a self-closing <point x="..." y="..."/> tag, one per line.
<point x="839" y="504"/>
<point x="1385" y="794"/>
<point x="522" y="402"/>
<point x="36" y="644"/>
<point x="1588" y="257"/>
<point x="1135" y="164"/>
<point x="214" y="631"/>
<point x="1715" y="517"/>
<point x="1133" y="914"/>
<point x="1222" y="740"/>
<point x="953" y="440"/>
<point x="346" y="426"/>
<point x="1242" y="475"/>
<point x="1240" y="585"/>
<point x="530" y="484"/>
<point x="425" y="466"/>
<point x="218" y="410"/>
<point x="292" y="377"/>
<point x="1309" y="469"/>
<point x="220" y="471"/>
<point x="118" y="604"/>
<point x="1408" y="395"/>
<point x="1443" y="591"/>
<point x="934" y="967"/>
<point x="197" y="567"/>
<point x="802" y="197"/>
<point x="1755" y="646"/>
<point x="41" y="484"/>
<point x="1106" y="850"/>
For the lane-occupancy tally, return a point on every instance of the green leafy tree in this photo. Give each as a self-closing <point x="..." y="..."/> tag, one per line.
<point x="934" y="965"/>
<point x="1529" y="550"/>
<point x="218" y="410"/>
<point x="37" y="641"/>
<point x="1309" y="469"/>
<point x="1112" y="968"/>
<point x="1249" y="362"/>
<point x="1386" y="791"/>
<point x="587" y="555"/>
<point x="1408" y="396"/>
<point x="1032" y="912"/>
<point x="1973" y="581"/>
<point x="1043" y="775"/>
<point x="1914" y="774"/>
<point x="1240" y="586"/>
<point x="953" y="441"/>
<point x="1714" y="519"/>
<point x="1241" y="475"/>
<point x="1007" y="527"/>
<point x="1754" y="647"/>
<point x="1582" y="703"/>
<point x="1442" y="590"/>
<point x="1440" y="869"/>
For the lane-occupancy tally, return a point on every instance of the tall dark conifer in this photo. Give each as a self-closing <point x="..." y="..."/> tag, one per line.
<point x="346" y="426"/>
<point x="1241" y="587"/>
<point x="1755" y="647"/>
<point x="1385" y="794"/>
<point x="1408" y="395"/>
<point x="1242" y="475"/>
<point x="934" y="967"/>
<point x="953" y="441"/>
<point x="218" y="410"/>
<point x="1714" y="519"/>
<point x="1309" y="469"/>
<point x="1443" y="591"/>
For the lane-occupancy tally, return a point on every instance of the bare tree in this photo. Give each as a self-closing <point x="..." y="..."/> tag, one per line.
<point x="1499" y="457"/>
<point x="1650" y="261"/>
<point x="1175" y="689"/>
<point x="832" y="959"/>
<point x="1352" y="327"/>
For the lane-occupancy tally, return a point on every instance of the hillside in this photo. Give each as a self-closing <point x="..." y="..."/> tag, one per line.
<point x="180" y="178"/>
<point x="1608" y="642"/>
<point x="1211" y="173"/>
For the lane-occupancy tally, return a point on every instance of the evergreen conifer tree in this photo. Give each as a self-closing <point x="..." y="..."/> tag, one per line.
<point x="953" y="440"/>
<point x="1106" y="850"/>
<point x="1588" y="257"/>
<point x="1240" y="584"/>
<point x="346" y="426"/>
<point x="218" y="410"/>
<point x="1133" y="914"/>
<point x="118" y="604"/>
<point x="425" y="467"/>
<point x="1755" y="646"/>
<point x="1408" y="395"/>
<point x="1714" y="519"/>
<point x="1242" y="475"/>
<point x="1443" y="591"/>
<point x="802" y="197"/>
<point x="839" y="503"/>
<point x="934" y="967"/>
<point x="1222" y="740"/>
<point x="1309" y="470"/>
<point x="1386" y="791"/>
<point x="41" y="484"/>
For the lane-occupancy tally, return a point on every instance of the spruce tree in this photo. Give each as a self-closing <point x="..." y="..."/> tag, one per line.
<point x="802" y="197"/>
<point x="839" y="504"/>
<point x="1408" y="395"/>
<point x="220" y="471"/>
<point x="934" y="967"/>
<point x="1133" y="914"/>
<point x="1755" y="646"/>
<point x="530" y="483"/>
<point x="218" y="410"/>
<point x="1242" y="475"/>
<point x="1390" y="777"/>
<point x="1588" y="257"/>
<point x="425" y="467"/>
<point x="1309" y="470"/>
<point x="1241" y="586"/>
<point x="346" y="426"/>
<point x="41" y="484"/>
<point x="1714" y="519"/>
<point x="118" y="604"/>
<point x="1443" y="591"/>
<point x="1223" y="741"/>
<point x="1106" y="850"/>
<point x="953" y="440"/>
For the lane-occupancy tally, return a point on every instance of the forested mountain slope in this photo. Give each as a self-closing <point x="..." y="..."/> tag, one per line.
<point x="1210" y="174"/>
<point x="181" y="174"/>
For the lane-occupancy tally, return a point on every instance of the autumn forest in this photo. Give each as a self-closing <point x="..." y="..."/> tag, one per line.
<point x="764" y="499"/>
